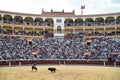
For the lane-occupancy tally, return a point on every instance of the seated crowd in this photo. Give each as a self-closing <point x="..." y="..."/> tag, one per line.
<point x="81" y="35"/>
<point x="81" y="23"/>
<point x="51" y="34"/>
<point x="19" y="48"/>
<point x="30" y="33"/>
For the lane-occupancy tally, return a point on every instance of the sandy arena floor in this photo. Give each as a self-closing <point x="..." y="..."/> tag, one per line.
<point x="63" y="73"/>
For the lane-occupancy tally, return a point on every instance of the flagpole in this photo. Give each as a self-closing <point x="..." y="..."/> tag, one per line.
<point x="82" y="12"/>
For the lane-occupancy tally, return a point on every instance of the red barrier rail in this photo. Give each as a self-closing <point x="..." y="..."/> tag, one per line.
<point x="59" y="62"/>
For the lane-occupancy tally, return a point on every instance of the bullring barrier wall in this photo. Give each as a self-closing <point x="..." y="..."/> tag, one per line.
<point x="58" y="62"/>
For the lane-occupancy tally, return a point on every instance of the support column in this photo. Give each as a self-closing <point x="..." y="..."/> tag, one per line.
<point x="115" y="31"/>
<point x="33" y="24"/>
<point x="34" y="32"/>
<point x="93" y="22"/>
<point x="83" y="21"/>
<point x="12" y="29"/>
<point x="1" y="29"/>
<point x="104" y="31"/>
<point x="73" y="30"/>
<point x="84" y="31"/>
<point x="12" y="19"/>
<point x="24" y="21"/>
<point x="94" y="31"/>
<point x="44" y="31"/>
<point x="104" y="20"/>
<point x="115" y="19"/>
<point x="23" y="31"/>
<point x="1" y="18"/>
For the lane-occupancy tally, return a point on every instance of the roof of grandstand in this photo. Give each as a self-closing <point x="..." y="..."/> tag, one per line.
<point x="59" y="14"/>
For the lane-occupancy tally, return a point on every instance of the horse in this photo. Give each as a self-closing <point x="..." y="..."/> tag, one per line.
<point x="34" y="67"/>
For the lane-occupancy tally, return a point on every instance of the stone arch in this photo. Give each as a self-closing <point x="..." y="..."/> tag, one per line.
<point x="28" y="20"/>
<point x="79" y="22"/>
<point x="7" y="19"/>
<point x="18" y="20"/>
<point x="99" y="21"/>
<point x="49" y="21"/>
<point x="68" y="22"/>
<point x="110" y="20"/>
<point x="89" y="21"/>
<point x="118" y="20"/>
<point x="0" y="17"/>
<point x="39" y="21"/>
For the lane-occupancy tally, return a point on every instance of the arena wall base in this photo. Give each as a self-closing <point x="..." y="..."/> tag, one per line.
<point x="58" y="62"/>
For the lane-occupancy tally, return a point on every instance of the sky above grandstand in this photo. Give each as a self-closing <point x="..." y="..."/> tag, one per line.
<point x="35" y="6"/>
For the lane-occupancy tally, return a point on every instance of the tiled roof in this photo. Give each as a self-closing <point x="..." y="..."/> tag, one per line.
<point x="92" y="15"/>
<point x="19" y="13"/>
<point x="57" y="14"/>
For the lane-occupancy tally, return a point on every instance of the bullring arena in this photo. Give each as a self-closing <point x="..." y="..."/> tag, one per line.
<point x="80" y="47"/>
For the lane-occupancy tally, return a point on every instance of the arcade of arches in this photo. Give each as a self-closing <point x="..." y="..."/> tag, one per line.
<point x="18" y="25"/>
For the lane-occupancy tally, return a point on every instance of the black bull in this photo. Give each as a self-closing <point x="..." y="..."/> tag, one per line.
<point x="52" y="70"/>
